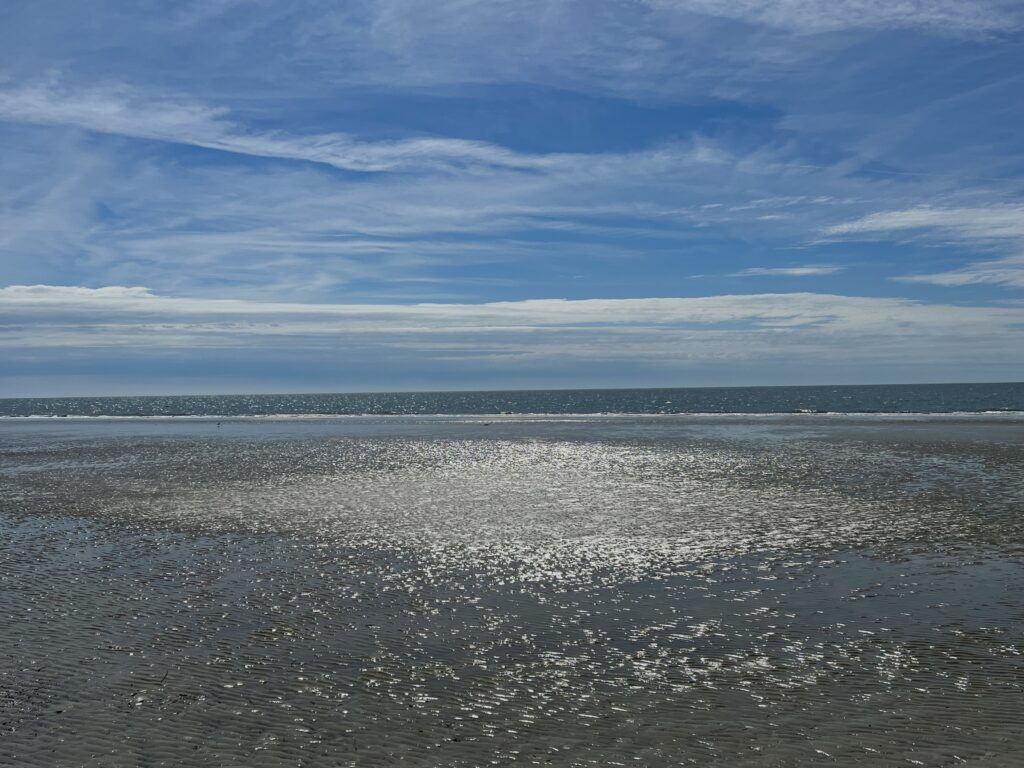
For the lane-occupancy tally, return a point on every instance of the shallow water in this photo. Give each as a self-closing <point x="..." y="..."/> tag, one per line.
<point x="775" y="591"/>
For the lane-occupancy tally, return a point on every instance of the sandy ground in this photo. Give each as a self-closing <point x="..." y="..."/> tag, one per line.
<point x="527" y="591"/>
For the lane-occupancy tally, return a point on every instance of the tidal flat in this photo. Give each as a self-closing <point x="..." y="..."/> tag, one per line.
<point x="784" y="590"/>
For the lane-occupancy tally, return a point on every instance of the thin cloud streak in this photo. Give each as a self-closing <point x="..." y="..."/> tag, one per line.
<point x="817" y="16"/>
<point x="808" y="270"/>
<point x="1008" y="272"/>
<point x="123" y="112"/>
<point x="979" y="223"/>
<point x="993" y="227"/>
<point x="738" y="339"/>
<point x="128" y="311"/>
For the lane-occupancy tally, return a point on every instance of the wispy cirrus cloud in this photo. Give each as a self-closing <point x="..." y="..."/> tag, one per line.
<point x="814" y="16"/>
<point x="122" y="111"/>
<point x="806" y="270"/>
<point x="300" y="230"/>
<point x="991" y="227"/>
<point x="1008" y="272"/>
<point x="446" y="186"/>
<point x="992" y="222"/>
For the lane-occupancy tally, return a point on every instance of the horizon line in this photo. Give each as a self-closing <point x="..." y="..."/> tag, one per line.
<point x="525" y="389"/>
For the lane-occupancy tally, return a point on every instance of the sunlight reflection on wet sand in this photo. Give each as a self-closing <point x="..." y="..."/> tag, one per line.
<point x="441" y="593"/>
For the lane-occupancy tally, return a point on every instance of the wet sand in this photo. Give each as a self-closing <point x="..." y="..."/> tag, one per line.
<point x="550" y="591"/>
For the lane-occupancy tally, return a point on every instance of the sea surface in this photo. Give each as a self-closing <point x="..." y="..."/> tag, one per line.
<point x="888" y="398"/>
<point x="570" y="585"/>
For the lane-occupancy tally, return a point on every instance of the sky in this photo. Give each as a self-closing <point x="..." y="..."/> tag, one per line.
<point x="255" y="196"/>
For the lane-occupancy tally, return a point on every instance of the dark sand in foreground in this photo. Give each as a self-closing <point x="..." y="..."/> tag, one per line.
<point x="493" y="591"/>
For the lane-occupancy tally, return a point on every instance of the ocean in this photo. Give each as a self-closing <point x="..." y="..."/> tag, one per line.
<point x="720" y="577"/>
<point x="887" y="398"/>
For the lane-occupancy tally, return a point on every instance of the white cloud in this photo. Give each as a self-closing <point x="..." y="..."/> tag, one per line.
<point x="734" y="326"/>
<point x="671" y="48"/>
<point x="993" y="222"/>
<point x="130" y="339"/>
<point x="809" y="16"/>
<point x="1008" y="272"/>
<point x="807" y="270"/>
<point x="86" y="212"/>
<point x="121" y="111"/>
<point x="994" y="227"/>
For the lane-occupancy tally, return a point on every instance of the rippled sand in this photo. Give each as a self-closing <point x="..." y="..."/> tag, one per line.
<point x="551" y="591"/>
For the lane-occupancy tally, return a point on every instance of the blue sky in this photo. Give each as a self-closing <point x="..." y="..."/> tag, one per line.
<point x="245" y="195"/>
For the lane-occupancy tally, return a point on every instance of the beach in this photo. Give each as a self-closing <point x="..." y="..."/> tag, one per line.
<point x="762" y="590"/>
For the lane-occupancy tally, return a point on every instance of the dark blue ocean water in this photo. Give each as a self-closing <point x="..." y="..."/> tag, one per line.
<point x="904" y="398"/>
